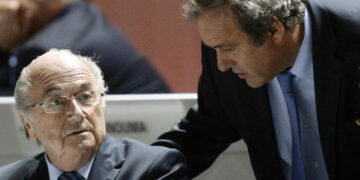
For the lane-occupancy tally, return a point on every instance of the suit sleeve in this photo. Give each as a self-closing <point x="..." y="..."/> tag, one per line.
<point x="205" y="132"/>
<point x="170" y="164"/>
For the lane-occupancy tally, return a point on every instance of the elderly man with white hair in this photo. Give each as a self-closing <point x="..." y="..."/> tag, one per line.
<point x="58" y="97"/>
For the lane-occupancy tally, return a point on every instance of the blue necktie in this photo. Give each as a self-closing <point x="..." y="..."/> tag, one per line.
<point x="286" y="82"/>
<point x="70" y="176"/>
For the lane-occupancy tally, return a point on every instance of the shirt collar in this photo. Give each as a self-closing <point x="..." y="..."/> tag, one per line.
<point x="54" y="172"/>
<point x="303" y="66"/>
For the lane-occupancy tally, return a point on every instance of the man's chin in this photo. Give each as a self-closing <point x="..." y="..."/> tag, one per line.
<point x="82" y="141"/>
<point x="254" y="83"/>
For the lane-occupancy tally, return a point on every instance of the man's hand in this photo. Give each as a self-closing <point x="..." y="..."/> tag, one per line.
<point x="15" y="21"/>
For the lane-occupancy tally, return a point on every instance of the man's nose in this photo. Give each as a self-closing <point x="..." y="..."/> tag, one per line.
<point x="224" y="62"/>
<point x="74" y="109"/>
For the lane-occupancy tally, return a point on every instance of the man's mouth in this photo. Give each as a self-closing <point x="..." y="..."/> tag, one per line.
<point x="241" y="75"/>
<point x="77" y="132"/>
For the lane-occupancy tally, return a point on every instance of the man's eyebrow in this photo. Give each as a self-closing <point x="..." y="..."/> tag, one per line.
<point x="52" y="89"/>
<point x="85" y="85"/>
<point x="82" y="86"/>
<point x="218" y="46"/>
<point x="224" y="45"/>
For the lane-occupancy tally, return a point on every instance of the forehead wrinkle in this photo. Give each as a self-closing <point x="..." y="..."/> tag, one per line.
<point x="58" y="87"/>
<point x="210" y="33"/>
<point x="220" y="35"/>
<point x="46" y="80"/>
<point x="57" y="70"/>
<point x="219" y="27"/>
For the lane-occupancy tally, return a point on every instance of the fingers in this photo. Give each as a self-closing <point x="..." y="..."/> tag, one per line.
<point x="15" y="21"/>
<point x="25" y="16"/>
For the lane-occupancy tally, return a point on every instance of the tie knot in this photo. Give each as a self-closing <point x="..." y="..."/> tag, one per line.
<point x="70" y="176"/>
<point x="285" y="79"/>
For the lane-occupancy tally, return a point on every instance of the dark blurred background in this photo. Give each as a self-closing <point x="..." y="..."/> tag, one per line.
<point x="158" y="30"/>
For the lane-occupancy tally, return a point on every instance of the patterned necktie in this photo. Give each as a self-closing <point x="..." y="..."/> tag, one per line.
<point x="297" y="170"/>
<point x="70" y="176"/>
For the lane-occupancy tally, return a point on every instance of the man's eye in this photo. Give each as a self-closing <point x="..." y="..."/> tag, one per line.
<point x="227" y="48"/>
<point x="55" y="102"/>
<point x="84" y="96"/>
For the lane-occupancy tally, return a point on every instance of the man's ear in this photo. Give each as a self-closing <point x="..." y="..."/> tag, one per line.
<point x="277" y="32"/>
<point x="28" y="126"/>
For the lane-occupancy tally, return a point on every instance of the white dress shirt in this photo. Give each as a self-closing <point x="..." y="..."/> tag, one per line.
<point x="306" y="108"/>
<point x="54" y="172"/>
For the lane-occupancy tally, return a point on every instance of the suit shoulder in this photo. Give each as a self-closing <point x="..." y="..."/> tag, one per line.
<point x="18" y="168"/>
<point x="148" y="155"/>
<point x="153" y="161"/>
<point x="343" y="19"/>
<point x="137" y="147"/>
<point x="342" y="12"/>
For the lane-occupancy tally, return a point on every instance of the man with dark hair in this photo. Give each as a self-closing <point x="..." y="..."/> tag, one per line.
<point x="29" y="28"/>
<point x="59" y="100"/>
<point x="283" y="75"/>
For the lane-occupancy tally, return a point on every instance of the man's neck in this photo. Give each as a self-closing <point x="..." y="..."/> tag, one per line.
<point x="55" y="172"/>
<point x="294" y="42"/>
<point x="68" y="162"/>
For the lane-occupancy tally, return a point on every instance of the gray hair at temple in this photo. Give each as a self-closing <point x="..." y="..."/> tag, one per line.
<point x="254" y="16"/>
<point x="24" y="83"/>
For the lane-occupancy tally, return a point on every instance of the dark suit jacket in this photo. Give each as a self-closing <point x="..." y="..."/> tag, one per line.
<point x="83" y="29"/>
<point x="122" y="159"/>
<point x="229" y="110"/>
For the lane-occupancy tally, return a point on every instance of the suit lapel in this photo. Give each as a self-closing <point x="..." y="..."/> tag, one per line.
<point x="37" y="170"/>
<point x="250" y="111"/>
<point x="258" y="114"/>
<point x="108" y="161"/>
<point x="327" y="76"/>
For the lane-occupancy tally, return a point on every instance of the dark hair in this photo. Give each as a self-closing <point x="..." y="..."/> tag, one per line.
<point x="254" y="16"/>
